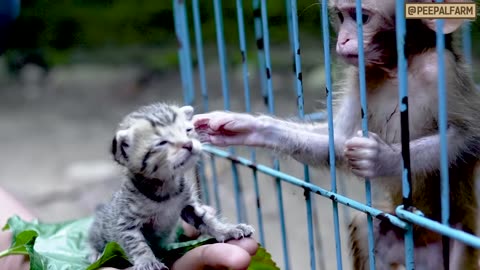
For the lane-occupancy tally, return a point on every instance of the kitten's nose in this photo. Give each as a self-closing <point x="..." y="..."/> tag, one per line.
<point x="188" y="146"/>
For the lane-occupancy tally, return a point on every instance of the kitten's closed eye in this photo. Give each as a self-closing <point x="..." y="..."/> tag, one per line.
<point x="162" y="143"/>
<point x="189" y="129"/>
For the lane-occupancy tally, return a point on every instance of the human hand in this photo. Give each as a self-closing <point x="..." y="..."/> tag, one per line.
<point x="233" y="254"/>
<point x="371" y="157"/>
<point x="222" y="128"/>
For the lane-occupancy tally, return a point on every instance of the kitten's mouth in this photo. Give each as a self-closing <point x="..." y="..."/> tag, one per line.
<point x="184" y="161"/>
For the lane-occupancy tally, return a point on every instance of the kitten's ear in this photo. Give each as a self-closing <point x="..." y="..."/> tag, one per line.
<point x="188" y="111"/>
<point x="120" y="144"/>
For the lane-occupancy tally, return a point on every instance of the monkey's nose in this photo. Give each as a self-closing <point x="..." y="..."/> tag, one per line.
<point x="188" y="146"/>
<point x="344" y="41"/>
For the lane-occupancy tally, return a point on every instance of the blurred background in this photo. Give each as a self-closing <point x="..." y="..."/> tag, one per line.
<point x="72" y="69"/>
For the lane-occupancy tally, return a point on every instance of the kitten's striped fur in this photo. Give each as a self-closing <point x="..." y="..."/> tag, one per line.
<point x="156" y="144"/>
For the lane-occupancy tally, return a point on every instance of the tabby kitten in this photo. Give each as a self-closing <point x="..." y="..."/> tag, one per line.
<point x="156" y="145"/>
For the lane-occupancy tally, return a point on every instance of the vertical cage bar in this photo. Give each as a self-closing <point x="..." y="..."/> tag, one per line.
<point x="276" y="164"/>
<point x="289" y="12"/>
<point x="203" y="87"/>
<point x="181" y="49"/>
<point x="201" y="62"/>
<point x="467" y="42"/>
<point x="442" y="125"/>
<point x="187" y="58"/>
<point x="331" y="146"/>
<point x="241" y="216"/>
<point x="293" y="32"/>
<point x="405" y="133"/>
<point x="215" y="184"/>
<point x="221" y="53"/>
<point x="246" y="85"/>
<point x="257" y="21"/>
<point x="363" y="101"/>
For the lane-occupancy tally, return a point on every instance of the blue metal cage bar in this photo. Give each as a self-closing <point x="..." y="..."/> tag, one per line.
<point x="203" y="87"/>
<point x="292" y="18"/>
<point x="442" y="127"/>
<point x="257" y="20"/>
<point x="241" y="216"/>
<point x="331" y="149"/>
<point x="404" y="219"/>
<point x="271" y="110"/>
<point x="363" y="101"/>
<point x="405" y="133"/>
<point x="246" y="85"/>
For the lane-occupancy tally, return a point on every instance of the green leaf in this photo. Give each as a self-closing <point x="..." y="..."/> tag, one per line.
<point x="19" y="243"/>
<point x="64" y="246"/>
<point x="262" y="260"/>
<point x="112" y="256"/>
<point x="52" y="246"/>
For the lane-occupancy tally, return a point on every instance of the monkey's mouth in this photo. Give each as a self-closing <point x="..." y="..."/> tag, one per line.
<point x="351" y="59"/>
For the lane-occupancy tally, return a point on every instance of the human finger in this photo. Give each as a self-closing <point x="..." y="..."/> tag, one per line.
<point x="247" y="243"/>
<point x="217" y="256"/>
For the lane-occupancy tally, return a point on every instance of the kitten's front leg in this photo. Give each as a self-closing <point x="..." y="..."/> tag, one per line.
<point x="208" y="223"/>
<point x="138" y="251"/>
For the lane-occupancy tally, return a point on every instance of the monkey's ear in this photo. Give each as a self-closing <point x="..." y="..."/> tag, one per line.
<point x="188" y="111"/>
<point x="449" y="25"/>
<point x="120" y="144"/>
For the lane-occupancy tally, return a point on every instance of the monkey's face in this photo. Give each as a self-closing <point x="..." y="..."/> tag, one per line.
<point x="375" y="21"/>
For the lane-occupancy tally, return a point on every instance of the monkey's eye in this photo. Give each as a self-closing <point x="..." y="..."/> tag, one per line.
<point x="162" y="143"/>
<point x="340" y="16"/>
<point x="365" y="18"/>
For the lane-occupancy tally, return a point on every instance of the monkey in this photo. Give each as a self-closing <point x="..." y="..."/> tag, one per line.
<point x="379" y="156"/>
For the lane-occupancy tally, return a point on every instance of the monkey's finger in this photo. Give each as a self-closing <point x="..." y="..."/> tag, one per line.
<point x="233" y="255"/>
<point x="373" y="136"/>
<point x="362" y="142"/>
<point x="200" y="121"/>
<point x="226" y="140"/>
<point x="362" y="173"/>
<point x="237" y="126"/>
<point x="360" y="164"/>
<point x="205" y="120"/>
<point x="359" y="153"/>
<point x="370" y="135"/>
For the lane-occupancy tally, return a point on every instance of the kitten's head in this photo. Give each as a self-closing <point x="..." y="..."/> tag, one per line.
<point x="157" y="141"/>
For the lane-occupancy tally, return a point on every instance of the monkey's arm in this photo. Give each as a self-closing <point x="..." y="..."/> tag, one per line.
<point x="303" y="144"/>
<point x="372" y="157"/>
<point x="297" y="124"/>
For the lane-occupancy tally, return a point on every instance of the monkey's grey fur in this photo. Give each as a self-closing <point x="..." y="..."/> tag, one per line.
<point x="156" y="146"/>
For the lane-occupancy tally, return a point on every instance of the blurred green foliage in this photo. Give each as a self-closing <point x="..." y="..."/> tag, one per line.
<point x="61" y="30"/>
<point x="141" y="31"/>
<point x="92" y="23"/>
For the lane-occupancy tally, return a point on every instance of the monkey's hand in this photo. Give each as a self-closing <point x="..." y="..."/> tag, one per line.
<point x="371" y="157"/>
<point x="228" y="128"/>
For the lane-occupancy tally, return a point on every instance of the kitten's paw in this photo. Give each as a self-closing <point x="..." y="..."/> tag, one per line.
<point x="150" y="265"/>
<point x="246" y="229"/>
<point x="235" y="232"/>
